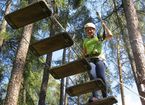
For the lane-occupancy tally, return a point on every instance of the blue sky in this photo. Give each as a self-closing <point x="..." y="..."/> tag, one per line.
<point x="130" y="97"/>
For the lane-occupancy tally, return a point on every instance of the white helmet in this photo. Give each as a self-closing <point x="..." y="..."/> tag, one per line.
<point x="90" y="25"/>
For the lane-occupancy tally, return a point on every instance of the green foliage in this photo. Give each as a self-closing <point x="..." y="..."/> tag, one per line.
<point x="29" y="99"/>
<point x="53" y="92"/>
<point x="61" y="4"/>
<point x="23" y="3"/>
<point x="32" y="81"/>
<point x="5" y="35"/>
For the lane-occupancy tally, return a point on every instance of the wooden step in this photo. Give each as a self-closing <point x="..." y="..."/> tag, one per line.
<point x="105" y="101"/>
<point x="27" y="15"/>
<point x="71" y="68"/>
<point x="56" y="42"/>
<point x="84" y="88"/>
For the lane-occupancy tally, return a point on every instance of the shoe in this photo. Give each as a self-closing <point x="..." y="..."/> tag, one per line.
<point x="92" y="100"/>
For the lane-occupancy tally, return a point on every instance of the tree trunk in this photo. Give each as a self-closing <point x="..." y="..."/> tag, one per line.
<point x="120" y="72"/>
<point x="61" y="92"/>
<point x="62" y="82"/>
<point x="67" y="81"/>
<point x="135" y="40"/>
<point x="78" y="100"/>
<point x="127" y="47"/>
<point x="66" y="96"/>
<point x="44" y="84"/>
<point x="45" y="79"/>
<point x="132" y="62"/>
<point x="18" y="67"/>
<point x="4" y="24"/>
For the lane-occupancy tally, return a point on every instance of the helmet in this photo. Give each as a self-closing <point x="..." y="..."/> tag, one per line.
<point x="90" y="25"/>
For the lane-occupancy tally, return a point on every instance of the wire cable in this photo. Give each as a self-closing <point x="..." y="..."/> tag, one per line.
<point x="81" y="53"/>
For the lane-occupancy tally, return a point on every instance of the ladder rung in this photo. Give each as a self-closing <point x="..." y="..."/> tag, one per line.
<point x="105" y="101"/>
<point x="70" y="68"/>
<point x="27" y="15"/>
<point x="56" y="42"/>
<point x="87" y="87"/>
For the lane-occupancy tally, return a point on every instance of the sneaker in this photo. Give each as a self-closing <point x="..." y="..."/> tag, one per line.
<point x="92" y="99"/>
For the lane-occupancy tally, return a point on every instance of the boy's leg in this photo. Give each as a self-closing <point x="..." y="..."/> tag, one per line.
<point x="93" y="76"/>
<point x="100" y="72"/>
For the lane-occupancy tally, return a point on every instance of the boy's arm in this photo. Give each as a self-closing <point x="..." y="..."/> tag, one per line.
<point x="108" y="32"/>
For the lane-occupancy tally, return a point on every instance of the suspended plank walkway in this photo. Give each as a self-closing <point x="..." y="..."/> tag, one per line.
<point x="54" y="43"/>
<point x="30" y="14"/>
<point x="37" y="11"/>
<point x="105" y="101"/>
<point x="71" y="68"/>
<point x="84" y="88"/>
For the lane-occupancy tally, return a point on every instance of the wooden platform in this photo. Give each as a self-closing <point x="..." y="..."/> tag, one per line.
<point x="90" y="86"/>
<point x="27" y="15"/>
<point x="56" y="42"/>
<point x="71" y="68"/>
<point x="106" y="101"/>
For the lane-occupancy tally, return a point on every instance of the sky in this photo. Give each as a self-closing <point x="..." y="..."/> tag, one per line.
<point x="130" y="97"/>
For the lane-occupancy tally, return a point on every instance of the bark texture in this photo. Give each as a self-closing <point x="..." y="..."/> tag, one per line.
<point x="18" y="67"/>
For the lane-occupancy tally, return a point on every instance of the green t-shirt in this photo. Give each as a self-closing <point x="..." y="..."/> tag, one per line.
<point x="94" y="46"/>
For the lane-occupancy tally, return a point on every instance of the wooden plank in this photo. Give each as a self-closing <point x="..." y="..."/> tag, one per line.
<point x="56" y="42"/>
<point x="27" y="15"/>
<point x="84" y="88"/>
<point x="105" y="101"/>
<point x="71" y="68"/>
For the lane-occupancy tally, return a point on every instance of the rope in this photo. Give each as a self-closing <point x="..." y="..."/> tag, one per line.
<point x="79" y="56"/>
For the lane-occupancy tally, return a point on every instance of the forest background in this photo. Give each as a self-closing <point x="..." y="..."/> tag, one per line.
<point x="122" y="76"/>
